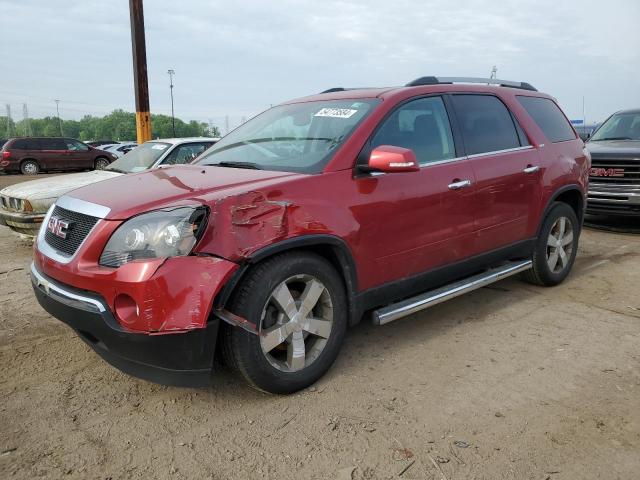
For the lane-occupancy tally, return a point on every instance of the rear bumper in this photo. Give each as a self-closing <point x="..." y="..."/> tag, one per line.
<point x="612" y="199"/>
<point x="25" y="223"/>
<point x="179" y="359"/>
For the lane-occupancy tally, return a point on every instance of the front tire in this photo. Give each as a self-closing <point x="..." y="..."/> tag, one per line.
<point x="556" y="247"/>
<point x="101" y="164"/>
<point x="298" y="302"/>
<point x="29" y="167"/>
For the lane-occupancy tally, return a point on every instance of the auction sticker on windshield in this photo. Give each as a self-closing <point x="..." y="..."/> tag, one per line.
<point x="336" y="112"/>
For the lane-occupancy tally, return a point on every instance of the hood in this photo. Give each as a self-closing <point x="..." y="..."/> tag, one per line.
<point x="53" y="187"/>
<point x="616" y="148"/>
<point x="132" y="194"/>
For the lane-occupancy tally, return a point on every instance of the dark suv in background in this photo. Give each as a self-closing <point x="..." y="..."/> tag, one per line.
<point x="30" y="155"/>
<point x="614" y="178"/>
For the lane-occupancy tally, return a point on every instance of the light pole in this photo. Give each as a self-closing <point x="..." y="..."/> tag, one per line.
<point x="173" y="118"/>
<point x="58" y="112"/>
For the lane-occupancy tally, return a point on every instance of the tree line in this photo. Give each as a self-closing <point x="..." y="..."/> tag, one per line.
<point x="118" y="125"/>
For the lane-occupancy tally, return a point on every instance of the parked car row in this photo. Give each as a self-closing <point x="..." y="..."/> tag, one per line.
<point x="31" y="155"/>
<point x="24" y="205"/>
<point x="353" y="202"/>
<point x="118" y="149"/>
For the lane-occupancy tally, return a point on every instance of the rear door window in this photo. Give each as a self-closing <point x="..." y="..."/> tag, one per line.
<point x="549" y="118"/>
<point x="52" y="144"/>
<point x="486" y="124"/>
<point x="421" y="125"/>
<point x="185" y="153"/>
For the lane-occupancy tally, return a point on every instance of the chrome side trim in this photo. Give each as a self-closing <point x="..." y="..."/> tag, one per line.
<point x="497" y="152"/>
<point x="82" y="206"/>
<point x="62" y="295"/>
<point x="428" y="299"/>
<point x="441" y="162"/>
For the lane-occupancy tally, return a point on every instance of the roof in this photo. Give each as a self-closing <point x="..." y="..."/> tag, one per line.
<point x="175" y="141"/>
<point x="631" y="110"/>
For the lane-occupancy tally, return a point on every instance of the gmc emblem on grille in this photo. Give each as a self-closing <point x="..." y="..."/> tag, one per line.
<point x="59" y="226"/>
<point x="607" y="172"/>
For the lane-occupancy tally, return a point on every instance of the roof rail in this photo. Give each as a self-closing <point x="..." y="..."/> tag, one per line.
<point x="489" y="81"/>
<point x="334" y="89"/>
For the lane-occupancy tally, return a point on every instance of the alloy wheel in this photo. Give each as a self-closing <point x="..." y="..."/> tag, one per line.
<point x="296" y="323"/>
<point x="560" y="245"/>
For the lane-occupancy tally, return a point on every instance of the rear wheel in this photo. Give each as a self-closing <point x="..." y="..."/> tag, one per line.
<point x="29" y="167"/>
<point x="556" y="247"/>
<point x="101" y="163"/>
<point x="298" y="302"/>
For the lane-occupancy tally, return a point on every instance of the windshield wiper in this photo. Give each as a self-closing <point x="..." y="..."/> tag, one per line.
<point x="612" y="138"/>
<point x="249" y="165"/>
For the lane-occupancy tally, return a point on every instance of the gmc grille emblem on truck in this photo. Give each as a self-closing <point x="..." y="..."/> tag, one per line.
<point x="59" y="227"/>
<point x="607" y="172"/>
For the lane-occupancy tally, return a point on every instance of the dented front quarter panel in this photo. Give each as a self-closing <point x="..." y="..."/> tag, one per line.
<point x="241" y="224"/>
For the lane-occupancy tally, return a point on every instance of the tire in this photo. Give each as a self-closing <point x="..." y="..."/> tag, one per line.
<point x="265" y="362"/>
<point x="553" y="257"/>
<point x="29" y="167"/>
<point x="101" y="163"/>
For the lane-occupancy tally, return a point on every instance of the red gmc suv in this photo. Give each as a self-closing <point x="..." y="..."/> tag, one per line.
<point x="380" y="201"/>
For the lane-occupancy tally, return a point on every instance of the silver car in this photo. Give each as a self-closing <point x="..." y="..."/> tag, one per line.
<point x="24" y="205"/>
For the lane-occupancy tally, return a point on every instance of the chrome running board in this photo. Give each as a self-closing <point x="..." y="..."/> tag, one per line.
<point x="428" y="299"/>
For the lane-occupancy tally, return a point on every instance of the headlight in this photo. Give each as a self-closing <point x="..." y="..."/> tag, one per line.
<point x="158" y="234"/>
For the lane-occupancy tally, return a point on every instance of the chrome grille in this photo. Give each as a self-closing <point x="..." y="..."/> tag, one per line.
<point x="12" y="203"/>
<point x="615" y="171"/>
<point x="78" y="230"/>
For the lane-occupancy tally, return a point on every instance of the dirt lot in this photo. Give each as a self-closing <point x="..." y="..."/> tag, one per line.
<point x="509" y="382"/>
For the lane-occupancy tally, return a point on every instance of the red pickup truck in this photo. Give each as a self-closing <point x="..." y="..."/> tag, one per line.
<point x="323" y="210"/>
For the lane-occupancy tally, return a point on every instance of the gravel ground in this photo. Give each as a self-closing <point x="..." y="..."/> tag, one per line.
<point x="509" y="382"/>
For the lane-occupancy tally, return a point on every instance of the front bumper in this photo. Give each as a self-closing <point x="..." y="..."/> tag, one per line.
<point x="24" y="223"/>
<point x="179" y="359"/>
<point x="613" y="199"/>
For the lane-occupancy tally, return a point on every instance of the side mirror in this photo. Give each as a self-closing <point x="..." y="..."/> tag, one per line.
<point x="388" y="159"/>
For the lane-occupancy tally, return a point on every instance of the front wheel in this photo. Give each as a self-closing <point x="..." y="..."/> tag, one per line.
<point x="298" y="302"/>
<point x="101" y="164"/>
<point x="556" y="247"/>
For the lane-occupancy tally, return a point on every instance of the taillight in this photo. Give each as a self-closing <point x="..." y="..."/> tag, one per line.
<point x="5" y="155"/>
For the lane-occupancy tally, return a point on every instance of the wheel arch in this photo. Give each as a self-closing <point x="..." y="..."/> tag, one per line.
<point x="331" y="248"/>
<point x="573" y="196"/>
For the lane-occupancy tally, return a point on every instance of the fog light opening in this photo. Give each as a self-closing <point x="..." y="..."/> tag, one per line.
<point x="126" y="308"/>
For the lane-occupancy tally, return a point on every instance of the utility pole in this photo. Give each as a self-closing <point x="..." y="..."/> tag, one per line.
<point x="25" y="119"/>
<point x="171" y="73"/>
<point x="139" y="51"/>
<point x="8" y="120"/>
<point x="58" y="114"/>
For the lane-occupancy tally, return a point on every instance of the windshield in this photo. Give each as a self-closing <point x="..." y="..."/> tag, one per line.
<point x="299" y="137"/>
<point x="621" y="126"/>
<point x="140" y="158"/>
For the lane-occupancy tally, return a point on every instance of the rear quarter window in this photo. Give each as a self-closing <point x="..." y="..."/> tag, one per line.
<point x="549" y="118"/>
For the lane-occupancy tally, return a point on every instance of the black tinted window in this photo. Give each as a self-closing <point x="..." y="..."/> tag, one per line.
<point x="549" y="118"/>
<point x="421" y="125"/>
<point x="52" y="144"/>
<point x="486" y="124"/>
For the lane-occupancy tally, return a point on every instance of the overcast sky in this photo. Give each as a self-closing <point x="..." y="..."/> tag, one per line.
<point x="237" y="57"/>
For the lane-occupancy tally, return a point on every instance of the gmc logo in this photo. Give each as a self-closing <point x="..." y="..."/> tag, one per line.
<point x="607" y="172"/>
<point x="59" y="227"/>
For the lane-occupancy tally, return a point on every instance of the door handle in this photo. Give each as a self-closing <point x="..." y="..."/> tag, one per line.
<point x="531" y="169"/>
<point x="459" y="184"/>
